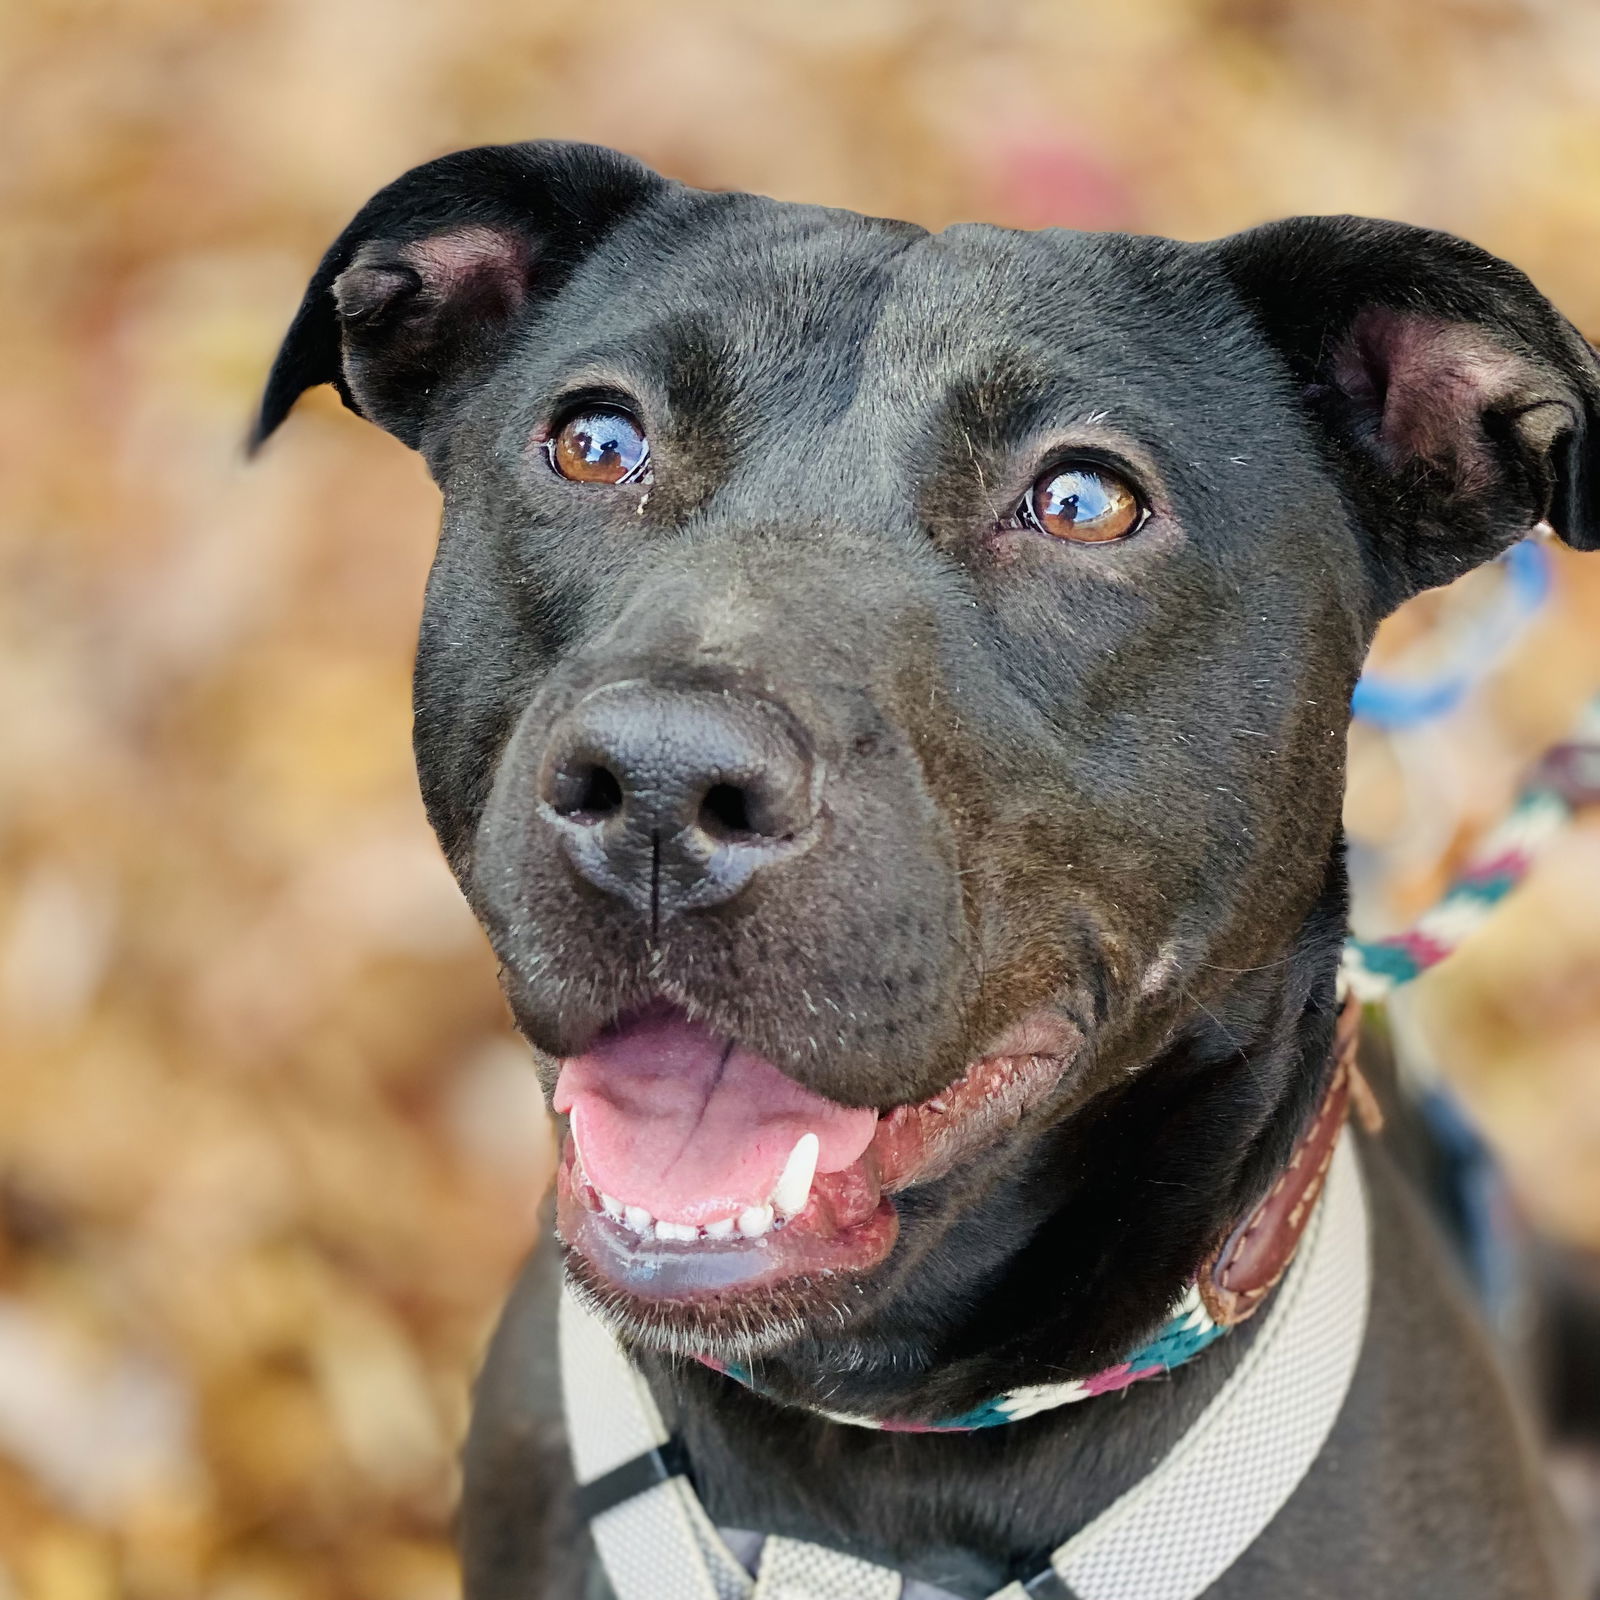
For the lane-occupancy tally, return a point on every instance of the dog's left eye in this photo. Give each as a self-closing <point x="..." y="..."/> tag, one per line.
<point x="1082" y="503"/>
<point x="600" y="444"/>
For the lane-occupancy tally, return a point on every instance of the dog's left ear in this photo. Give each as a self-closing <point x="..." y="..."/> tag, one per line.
<point x="1460" y="408"/>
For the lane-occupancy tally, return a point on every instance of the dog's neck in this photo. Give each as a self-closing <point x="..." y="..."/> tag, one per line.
<point x="1147" y="1178"/>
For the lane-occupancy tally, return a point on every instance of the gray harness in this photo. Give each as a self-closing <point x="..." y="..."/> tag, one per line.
<point x="1170" y="1537"/>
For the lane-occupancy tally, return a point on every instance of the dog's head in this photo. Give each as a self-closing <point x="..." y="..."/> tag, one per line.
<point x="878" y="690"/>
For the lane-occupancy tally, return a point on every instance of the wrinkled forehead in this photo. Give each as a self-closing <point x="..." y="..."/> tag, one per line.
<point x="797" y="317"/>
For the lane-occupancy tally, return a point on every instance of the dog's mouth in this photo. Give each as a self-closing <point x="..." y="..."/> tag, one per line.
<point x="695" y="1172"/>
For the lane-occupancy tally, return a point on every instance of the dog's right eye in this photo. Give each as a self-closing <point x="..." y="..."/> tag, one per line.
<point x="600" y="445"/>
<point x="1082" y="503"/>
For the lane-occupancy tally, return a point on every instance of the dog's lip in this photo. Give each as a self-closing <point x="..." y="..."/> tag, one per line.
<point x="918" y="1143"/>
<point x="850" y="1223"/>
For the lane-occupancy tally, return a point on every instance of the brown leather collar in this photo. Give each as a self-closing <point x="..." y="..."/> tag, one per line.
<point x="1247" y="1265"/>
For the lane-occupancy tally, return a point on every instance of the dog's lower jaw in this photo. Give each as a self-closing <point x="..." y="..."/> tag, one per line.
<point x="982" y="1295"/>
<point x="733" y="1293"/>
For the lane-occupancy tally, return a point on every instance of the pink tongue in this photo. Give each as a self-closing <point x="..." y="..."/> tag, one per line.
<point x="667" y="1117"/>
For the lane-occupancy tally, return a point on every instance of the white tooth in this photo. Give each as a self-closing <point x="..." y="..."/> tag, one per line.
<point x="611" y="1206"/>
<point x="720" y="1230"/>
<point x="639" y="1220"/>
<point x="793" y="1189"/>
<point x="678" y="1232"/>
<point x="754" y="1221"/>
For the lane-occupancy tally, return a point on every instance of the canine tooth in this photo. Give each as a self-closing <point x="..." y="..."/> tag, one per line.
<point x="722" y="1229"/>
<point x="793" y="1188"/>
<point x="677" y="1232"/>
<point x="639" y="1220"/>
<point x="611" y="1206"/>
<point x="754" y="1221"/>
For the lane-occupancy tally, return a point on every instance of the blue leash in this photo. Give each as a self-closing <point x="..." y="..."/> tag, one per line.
<point x="1397" y="703"/>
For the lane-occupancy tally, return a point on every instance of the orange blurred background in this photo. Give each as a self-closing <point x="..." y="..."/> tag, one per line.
<point x="268" y="1151"/>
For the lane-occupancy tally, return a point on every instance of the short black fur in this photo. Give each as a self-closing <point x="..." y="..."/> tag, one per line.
<point x="1098" y="785"/>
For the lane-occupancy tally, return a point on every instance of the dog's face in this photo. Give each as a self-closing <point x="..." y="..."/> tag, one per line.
<point x="878" y="689"/>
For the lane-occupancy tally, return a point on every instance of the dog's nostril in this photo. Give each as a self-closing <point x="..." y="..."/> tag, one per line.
<point x="725" y="812"/>
<point x="587" y="793"/>
<point x="755" y="813"/>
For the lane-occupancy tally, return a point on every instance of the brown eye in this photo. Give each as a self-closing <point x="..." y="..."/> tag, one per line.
<point x="1088" y="505"/>
<point x="600" y="446"/>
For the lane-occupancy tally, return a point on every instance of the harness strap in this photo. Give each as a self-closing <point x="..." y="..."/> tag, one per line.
<point x="1178" y="1530"/>
<point x="658" y="1545"/>
<point x="1168" y="1538"/>
<point x="791" y="1569"/>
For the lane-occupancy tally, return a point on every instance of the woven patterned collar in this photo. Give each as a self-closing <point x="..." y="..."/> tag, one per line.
<point x="1231" y="1287"/>
<point x="1186" y="1333"/>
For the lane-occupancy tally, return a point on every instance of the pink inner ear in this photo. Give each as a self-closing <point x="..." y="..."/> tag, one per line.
<point x="474" y="268"/>
<point x="468" y="260"/>
<point x="1428" y="380"/>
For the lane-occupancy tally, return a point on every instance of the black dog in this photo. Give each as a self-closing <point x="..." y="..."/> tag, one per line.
<point x="855" y="656"/>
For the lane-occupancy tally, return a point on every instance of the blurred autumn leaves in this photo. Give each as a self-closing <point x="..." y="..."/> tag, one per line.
<point x="268" y="1154"/>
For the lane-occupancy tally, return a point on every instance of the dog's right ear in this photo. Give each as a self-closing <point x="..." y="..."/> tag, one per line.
<point x="426" y="282"/>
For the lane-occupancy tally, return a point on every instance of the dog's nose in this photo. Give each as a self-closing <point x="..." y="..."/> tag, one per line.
<point x="673" y="799"/>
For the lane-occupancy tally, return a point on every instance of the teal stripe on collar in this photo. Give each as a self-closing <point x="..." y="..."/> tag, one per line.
<point x="1188" y="1331"/>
